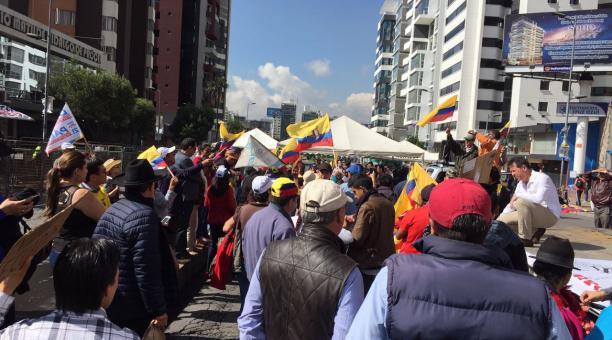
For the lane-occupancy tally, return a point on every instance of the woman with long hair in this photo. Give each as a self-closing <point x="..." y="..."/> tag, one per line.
<point x="63" y="189"/>
<point x="220" y="202"/>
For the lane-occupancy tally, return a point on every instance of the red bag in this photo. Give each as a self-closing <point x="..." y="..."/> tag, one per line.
<point x="223" y="262"/>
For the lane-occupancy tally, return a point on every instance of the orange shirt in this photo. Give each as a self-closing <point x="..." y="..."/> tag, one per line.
<point x="486" y="145"/>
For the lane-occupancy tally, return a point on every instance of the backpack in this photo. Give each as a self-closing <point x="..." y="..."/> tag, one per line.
<point x="579" y="184"/>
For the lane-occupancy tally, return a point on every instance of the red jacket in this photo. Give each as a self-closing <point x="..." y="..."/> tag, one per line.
<point x="220" y="208"/>
<point x="415" y="222"/>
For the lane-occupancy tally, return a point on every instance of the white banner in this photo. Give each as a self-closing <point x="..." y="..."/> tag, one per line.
<point x="66" y="130"/>
<point x="256" y="155"/>
<point x="593" y="275"/>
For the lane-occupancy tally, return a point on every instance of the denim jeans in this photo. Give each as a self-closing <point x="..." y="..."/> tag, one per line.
<point x="243" y="284"/>
<point x="216" y="231"/>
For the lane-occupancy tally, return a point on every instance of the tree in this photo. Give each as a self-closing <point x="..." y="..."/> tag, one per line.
<point x="191" y="121"/>
<point x="234" y="125"/>
<point x="415" y="140"/>
<point x="143" y="121"/>
<point x="215" y="90"/>
<point x="102" y="102"/>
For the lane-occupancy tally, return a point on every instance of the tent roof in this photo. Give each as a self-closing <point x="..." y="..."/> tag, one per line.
<point x="350" y="137"/>
<point x="262" y="137"/>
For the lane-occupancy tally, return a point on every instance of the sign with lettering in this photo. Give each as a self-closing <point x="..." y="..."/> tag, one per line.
<point x="22" y="24"/>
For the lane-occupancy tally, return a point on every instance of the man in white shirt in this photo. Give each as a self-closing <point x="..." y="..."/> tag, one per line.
<point x="535" y="204"/>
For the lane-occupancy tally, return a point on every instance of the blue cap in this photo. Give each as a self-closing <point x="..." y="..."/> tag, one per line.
<point x="354" y="169"/>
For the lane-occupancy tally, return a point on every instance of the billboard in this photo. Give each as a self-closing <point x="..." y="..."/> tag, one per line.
<point x="544" y="39"/>
<point x="583" y="109"/>
<point x="273" y="112"/>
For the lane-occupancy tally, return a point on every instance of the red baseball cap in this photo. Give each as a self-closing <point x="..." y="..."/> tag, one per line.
<point x="458" y="196"/>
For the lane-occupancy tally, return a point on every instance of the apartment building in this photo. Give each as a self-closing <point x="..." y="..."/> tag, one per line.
<point x="282" y="118"/>
<point x="384" y="66"/>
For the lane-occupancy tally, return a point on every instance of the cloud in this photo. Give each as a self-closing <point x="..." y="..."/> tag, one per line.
<point x="358" y="106"/>
<point x="277" y="84"/>
<point x="320" y="67"/>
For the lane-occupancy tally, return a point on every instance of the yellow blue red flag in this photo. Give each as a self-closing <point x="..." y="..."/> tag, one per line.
<point x="316" y="132"/>
<point x="440" y="113"/>
<point x="417" y="179"/>
<point x="288" y="154"/>
<point x="504" y="131"/>
<point x="227" y="138"/>
<point x="149" y="154"/>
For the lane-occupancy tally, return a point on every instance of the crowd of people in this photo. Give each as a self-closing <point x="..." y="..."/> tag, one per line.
<point x="315" y="246"/>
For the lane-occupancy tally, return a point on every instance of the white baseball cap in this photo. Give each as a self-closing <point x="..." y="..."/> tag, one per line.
<point x="163" y="151"/>
<point x="261" y="184"/>
<point x="322" y="195"/>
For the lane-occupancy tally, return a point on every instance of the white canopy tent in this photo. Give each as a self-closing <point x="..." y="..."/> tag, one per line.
<point x="352" y="138"/>
<point x="267" y="141"/>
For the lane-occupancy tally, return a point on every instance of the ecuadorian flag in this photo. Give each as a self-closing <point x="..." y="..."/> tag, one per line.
<point x="288" y="154"/>
<point x="227" y="138"/>
<point x="417" y="179"/>
<point x="316" y="132"/>
<point x="440" y="113"/>
<point x="149" y="154"/>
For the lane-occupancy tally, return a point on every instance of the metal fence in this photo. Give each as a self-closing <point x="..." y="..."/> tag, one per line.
<point x="23" y="169"/>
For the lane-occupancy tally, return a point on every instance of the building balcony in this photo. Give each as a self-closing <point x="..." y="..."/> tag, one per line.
<point x="423" y="17"/>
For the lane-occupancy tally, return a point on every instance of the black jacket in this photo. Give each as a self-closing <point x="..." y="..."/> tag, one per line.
<point x="145" y="262"/>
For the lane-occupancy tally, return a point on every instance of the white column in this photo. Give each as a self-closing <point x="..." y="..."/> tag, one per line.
<point x="582" y="129"/>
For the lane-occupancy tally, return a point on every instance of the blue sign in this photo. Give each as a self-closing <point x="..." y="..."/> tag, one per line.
<point x="583" y="109"/>
<point x="273" y="112"/>
<point x="546" y="39"/>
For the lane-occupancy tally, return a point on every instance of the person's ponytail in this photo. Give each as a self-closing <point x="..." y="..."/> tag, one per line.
<point x="52" y="187"/>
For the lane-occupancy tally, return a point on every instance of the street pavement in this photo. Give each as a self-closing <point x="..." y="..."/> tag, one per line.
<point x="212" y="314"/>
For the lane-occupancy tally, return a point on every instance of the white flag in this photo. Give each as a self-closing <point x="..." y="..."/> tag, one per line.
<point x="256" y="155"/>
<point x="66" y="130"/>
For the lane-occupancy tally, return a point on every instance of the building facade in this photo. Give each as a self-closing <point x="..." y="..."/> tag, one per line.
<point x="384" y="66"/>
<point x="282" y="119"/>
<point x="397" y="98"/>
<point x="204" y="53"/>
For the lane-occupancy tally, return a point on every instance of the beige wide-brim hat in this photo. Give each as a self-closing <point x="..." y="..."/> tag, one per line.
<point x="111" y="163"/>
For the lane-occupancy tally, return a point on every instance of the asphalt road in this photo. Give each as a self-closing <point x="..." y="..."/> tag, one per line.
<point x="212" y="314"/>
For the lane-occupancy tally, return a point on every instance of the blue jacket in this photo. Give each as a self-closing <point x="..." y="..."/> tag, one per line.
<point x="134" y="226"/>
<point x="467" y="288"/>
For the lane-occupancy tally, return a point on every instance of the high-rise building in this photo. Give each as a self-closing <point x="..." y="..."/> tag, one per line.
<point x="526" y="42"/>
<point x="167" y="64"/>
<point x="204" y="53"/>
<point x="309" y="115"/>
<point x="397" y="97"/>
<point x="135" y="44"/>
<point x="384" y="66"/>
<point x="282" y="119"/>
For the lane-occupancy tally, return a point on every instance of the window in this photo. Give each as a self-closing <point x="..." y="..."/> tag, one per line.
<point x="552" y="1"/>
<point x="15" y="54"/>
<point x="416" y="79"/>
<point x="450" y="89"/>
<point x="543" y="106"/>
<point x="456" y="12"/>
<point x="412" y="113"/>
<point x="491" y="63"/>
<point x="109" y="24"/>
<point x="11" y="70"/>
<point x="574" y="2"/>
<point x="36" y="60"/>
<point x="493" y="21"/>
<point x="490" y="84"/>
<point x="453" y="51"/>
<point x="449" y="2"/>
<point x="601" y="91"/>
<point x="545" y="85"/>
<point x="417" y="61"/>
<point x="38" y="76"/>
<point x="505" y="3"/>
<point x="414" y="97"/>
<point x="111" y="53"/>
<point x="419" y="45"/>
<point x="488" y="105"/>
<point x="454" y="31"/>
<point x="451" y="70"/>
<point x="565" y="86"/>
<point x="64" y="17"/>
<point x="492" y="42"/>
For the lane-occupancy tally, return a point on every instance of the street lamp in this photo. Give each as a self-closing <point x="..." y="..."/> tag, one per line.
<point x="564" y="144"/>
<point x="247" y="112"/>
<point x="47" y="66"/>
